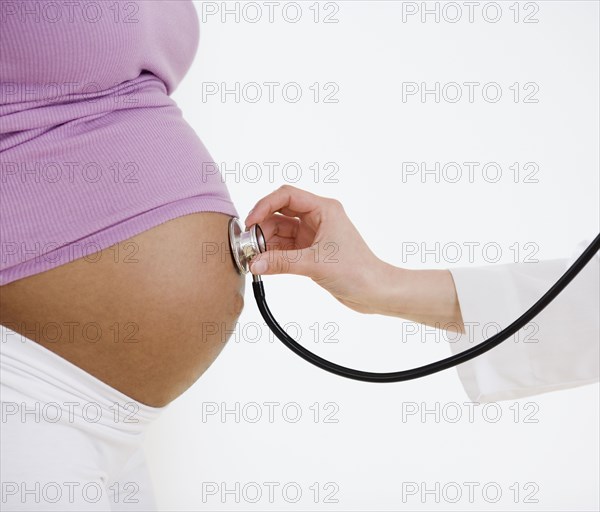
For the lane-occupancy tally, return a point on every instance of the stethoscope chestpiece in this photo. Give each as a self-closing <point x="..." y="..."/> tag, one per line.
<point x="245" y="245"/>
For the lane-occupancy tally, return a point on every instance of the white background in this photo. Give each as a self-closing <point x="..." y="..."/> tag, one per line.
<point x="363" y="460"/>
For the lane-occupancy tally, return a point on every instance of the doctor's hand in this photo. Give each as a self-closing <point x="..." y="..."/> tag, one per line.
<point x="312" y="236"/>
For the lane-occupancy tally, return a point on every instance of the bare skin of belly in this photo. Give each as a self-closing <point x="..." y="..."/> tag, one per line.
<point x="146" y="316"/>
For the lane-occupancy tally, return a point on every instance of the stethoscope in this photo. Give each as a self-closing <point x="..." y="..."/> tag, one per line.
<point x="245" y="245"/>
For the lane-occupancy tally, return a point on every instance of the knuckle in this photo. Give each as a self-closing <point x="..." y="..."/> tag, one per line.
<point x="276" y="265"/>
<point x="282" y="264"/>
<point x="335" y="204"/>
<point x="295" y="229"/>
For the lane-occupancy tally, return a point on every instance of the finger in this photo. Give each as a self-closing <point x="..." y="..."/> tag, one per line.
<point x="288" y="227"/>
<point x="283" y="262"/>
<point x="290" y="213"/>
<point x="289" y="200"/>
<point x="279" y="243"/>
<point x="280" y="225"/>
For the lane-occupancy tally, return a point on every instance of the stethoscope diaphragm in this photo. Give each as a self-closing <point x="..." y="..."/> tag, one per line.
<point x="245" y="245"/>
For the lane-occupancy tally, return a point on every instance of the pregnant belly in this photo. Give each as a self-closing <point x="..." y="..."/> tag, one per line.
<point x="147" y="316"/>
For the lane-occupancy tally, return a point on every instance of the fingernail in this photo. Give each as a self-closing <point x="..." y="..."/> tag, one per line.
<point x="260" y="267"/>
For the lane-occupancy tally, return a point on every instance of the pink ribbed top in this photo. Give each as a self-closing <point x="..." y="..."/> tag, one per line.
<point x="92" y="148"/>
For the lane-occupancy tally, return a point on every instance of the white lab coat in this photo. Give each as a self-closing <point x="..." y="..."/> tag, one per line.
<point x="559" y="349"/>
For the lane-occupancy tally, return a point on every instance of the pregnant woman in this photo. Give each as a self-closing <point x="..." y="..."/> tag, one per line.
<point x="115" y="268"/>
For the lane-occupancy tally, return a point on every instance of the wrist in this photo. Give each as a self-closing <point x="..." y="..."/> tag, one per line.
<point x="391" y="291"/>
<point x="423" y="296"/>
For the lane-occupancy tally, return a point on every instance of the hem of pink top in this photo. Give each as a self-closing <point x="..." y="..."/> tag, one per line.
<point x="117" y="233"/>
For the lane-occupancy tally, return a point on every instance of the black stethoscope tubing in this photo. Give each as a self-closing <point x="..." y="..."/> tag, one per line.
<point x="437" y="366"/>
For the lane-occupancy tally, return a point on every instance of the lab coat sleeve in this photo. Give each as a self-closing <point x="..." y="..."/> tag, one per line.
<point x="558" y="349"/>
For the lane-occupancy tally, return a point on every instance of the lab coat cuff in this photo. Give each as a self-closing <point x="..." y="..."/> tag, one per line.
<point x="558" y="349"/>
<point x="488" y="303"/>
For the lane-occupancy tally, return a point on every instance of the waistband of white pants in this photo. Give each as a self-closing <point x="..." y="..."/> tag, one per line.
<point x="35" y="380"/>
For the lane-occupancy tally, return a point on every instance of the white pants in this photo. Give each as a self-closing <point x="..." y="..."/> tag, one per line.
<point x="68" y="440"/>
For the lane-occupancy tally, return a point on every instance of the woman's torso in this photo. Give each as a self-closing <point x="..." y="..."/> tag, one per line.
<point x="87" y="87"/>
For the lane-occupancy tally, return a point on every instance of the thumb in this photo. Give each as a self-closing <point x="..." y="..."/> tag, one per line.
<point x="281" y="262"/>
